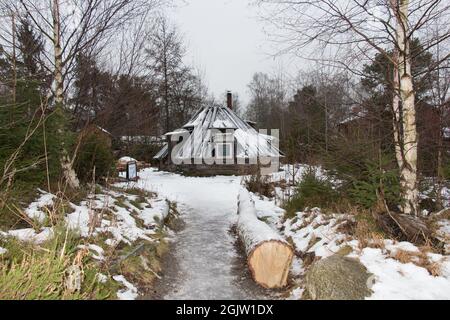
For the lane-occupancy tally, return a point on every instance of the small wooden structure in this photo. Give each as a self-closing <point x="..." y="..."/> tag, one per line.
<point x="217" y="141"/>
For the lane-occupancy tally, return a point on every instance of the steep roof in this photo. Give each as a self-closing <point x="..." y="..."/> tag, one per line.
<point x="199" y="144"/>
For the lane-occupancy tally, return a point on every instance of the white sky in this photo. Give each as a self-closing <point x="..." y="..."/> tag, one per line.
<point x="226" y="42"/>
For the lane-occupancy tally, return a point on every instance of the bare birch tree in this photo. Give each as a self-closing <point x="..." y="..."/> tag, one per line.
<point x="70" y="28"/>
<point x="360" y="28"/>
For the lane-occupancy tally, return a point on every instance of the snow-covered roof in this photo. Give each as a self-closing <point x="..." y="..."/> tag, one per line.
<point x="354" y="116"/>
<point x="127" y="159"/>
<point x="200" y="142"/>
<point x="175" y="132"/>
<point x="163" y="152"/>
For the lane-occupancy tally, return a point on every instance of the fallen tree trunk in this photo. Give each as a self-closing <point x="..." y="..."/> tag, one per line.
<point x="404" y="226"/>
<point x="269" y="256"/>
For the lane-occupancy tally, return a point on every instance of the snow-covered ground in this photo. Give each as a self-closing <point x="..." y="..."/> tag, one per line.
<point x="205" y="248"/>
<point x="130" y="292"/>
<point x="114" y="218"/>
<point x="318" y="233"/>
<point x="400" y="281"/>
<point x="112" y="213"/>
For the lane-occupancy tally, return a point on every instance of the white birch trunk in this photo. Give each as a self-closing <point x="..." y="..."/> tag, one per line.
<point x="408" y="169"/>
<point x="396" y="116"/>
<point x="66" y="164"/>
<point x="13" y="27"/>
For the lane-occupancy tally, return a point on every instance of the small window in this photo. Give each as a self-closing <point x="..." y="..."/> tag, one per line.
<point x="224" y="150"/>
<point x="223" y="137"/>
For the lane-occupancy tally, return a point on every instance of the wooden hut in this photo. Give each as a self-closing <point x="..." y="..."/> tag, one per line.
<point x="217" y="141"/>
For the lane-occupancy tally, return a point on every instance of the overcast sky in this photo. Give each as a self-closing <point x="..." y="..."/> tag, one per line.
<point x="226" y="41"/>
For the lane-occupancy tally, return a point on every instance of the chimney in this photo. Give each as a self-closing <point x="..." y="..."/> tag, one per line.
<point x="229" y="100"/>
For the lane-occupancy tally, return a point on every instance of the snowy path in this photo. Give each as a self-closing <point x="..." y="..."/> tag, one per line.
<point x="204" y="250"/>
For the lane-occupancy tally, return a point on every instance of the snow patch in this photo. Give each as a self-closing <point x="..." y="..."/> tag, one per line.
<point x="297" y="268"/>
<point x="79" y="219"/>
<point x="267" y="210"/>
<point x="101" y="277"/>
<point x="130" y="293"/>
<point x="34" y="209"/>
<point x="312" y="231"/>
<point x="296" y="294"/>
<point x="123" y="227"/>
<point x="396" y="280"/>
<point x="318" y="233"/>
<point x="158" y="211"/>
<point x="30" y="235"/>
<point x="127" y="159"/>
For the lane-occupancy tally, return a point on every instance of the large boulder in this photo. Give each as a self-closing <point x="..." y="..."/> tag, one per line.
<point x="338" y="278"/>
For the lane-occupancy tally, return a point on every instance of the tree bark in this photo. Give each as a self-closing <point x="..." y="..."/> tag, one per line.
<point x="58" y="74"/>
<point x="69" y="173"/>
<point x="408" y="145"/>
<point x="396" y="112"/>
<point x="13" y="28"/>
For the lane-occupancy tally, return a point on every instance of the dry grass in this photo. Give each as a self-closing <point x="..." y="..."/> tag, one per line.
<point x="362" y="234"/>
<point x="434" y="269"/>
<point x="143" y="266"/>
<point x="404" y="256"/>
<point x="420" y="259"/>
<point x="365" y="229"/>
<point x="346" y="227"/>
<point x="367" y="236"/>
<point x="29" y="272"/>
<point x="377" y="241"/>
<point x="261" y="185"/>
<point x="135" y="191"/>
<point x="308" y="259"/>
<point x="343" y="205"/>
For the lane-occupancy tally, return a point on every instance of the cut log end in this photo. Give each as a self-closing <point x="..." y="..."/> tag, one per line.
<point x="269" y="263"/>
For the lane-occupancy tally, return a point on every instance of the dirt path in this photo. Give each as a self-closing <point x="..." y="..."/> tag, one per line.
<point x="204" y="262"/>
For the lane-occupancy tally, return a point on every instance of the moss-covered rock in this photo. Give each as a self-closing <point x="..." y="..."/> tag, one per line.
<point x="338" y="278"/>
